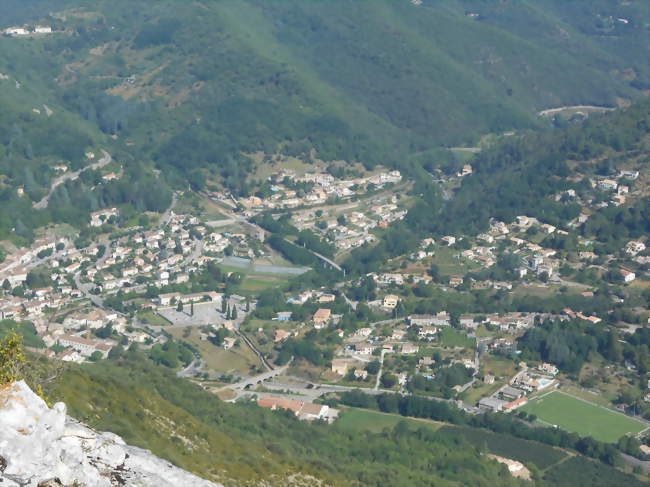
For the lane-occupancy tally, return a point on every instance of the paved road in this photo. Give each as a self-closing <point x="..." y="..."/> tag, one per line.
<point x="321" y="257"/>
<point x="257" y="379"/>
<point x="71" y="176"/>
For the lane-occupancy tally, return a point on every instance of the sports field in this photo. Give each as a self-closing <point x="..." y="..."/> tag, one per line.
<point x="582" y="417"/>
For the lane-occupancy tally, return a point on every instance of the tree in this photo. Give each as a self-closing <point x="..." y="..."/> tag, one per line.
<point x="224" y="304"/>
<point x="373" y="367"/>
<point x="179" y="307"/>
<point x="192" y="308"/>
<point x="12" y="358"/>
<point x="388" y="380"/>
<point x="96" y="356"/>
<point x="233" y="314"/>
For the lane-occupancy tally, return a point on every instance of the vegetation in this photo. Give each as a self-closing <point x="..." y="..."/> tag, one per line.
<point x="241" y="443"/>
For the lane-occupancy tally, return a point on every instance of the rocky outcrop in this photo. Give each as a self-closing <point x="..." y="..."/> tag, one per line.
<point x="42" y="446"/>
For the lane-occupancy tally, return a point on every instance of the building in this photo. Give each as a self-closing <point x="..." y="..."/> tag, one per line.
<point x="84" y="346"/>
<point x="306" y="411"/>
<point x="628" y="276"/>
<point x="322" y="317"/>
<point x="281" y="335"/>
<point x="390" y="301"/>
<point x="512" y="405"/>
<point x="408" y="348"/>
<point x="340" y="367"/>
<point x="229" y="342"/>
<point x="98" y="218"/>
<point x="491" y="404"/>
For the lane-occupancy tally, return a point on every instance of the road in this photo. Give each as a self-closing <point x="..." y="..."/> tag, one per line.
<point x="164" y="219"/>
<point x="71" y="176"/>
<point x="321" y="257"/>
<point x="381" y="369"/>
<point x="257" y="379"/>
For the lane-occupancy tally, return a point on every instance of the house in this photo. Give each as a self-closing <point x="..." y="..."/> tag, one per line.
<point x="322" y="317"/>
<point x="363" y="332"/>
<point x="281" y="335"/>
<point x="229" y="342"/>
<point x="340" y="367"/>
<point x="326" y="298"/>
<point x="628" y="276"/>
<point x="364" y="348"/>
<point x="390" y="301"/>
<point x="488" y="379"/>
<point x="307" y="411"/>
<point x="98" y="218"/>
<point x="409" y="348"/>
<point x="360" y="374"/>
<point x="168" y="299"/>
<point x="448" y="240"/>
<point x="427" y="331"/>
<point x="607" y="184"/>
<point x="398" y="335"/>
<point x="548" y="368"/>
<point x="634" y="247"/>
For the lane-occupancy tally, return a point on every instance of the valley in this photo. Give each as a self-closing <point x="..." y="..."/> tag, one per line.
<point x="348" y="243"/>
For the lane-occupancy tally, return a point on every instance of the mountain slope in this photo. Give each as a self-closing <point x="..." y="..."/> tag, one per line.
<point x="194" y="85"/>
<point x="243" y="444"/>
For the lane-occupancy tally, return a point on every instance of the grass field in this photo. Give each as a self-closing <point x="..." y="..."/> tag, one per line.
<point x="236" y="360"/>
<point x="152" y="319"/>
<point x="449" y="337"/>
<point x="364" y="420"/>
<point x="579" y="416"/>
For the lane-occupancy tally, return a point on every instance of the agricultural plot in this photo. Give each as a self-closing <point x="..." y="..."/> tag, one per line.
<point x="582" y="417"/>
<point x="364" y="420"/>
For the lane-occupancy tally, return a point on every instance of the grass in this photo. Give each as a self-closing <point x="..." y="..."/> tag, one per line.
<point x="583" y="418"/>
<point x="256" y="283"/>
<point x="237" y="359"/>
<point x="154" y="319"/>
<point x="450" y="337"/>
<point x="498" y="366"/>
<point x="354" y="419"/>
<point x="474" y="394"/>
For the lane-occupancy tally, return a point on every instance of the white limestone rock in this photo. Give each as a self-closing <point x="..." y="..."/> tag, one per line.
<point x="42" y="446"/>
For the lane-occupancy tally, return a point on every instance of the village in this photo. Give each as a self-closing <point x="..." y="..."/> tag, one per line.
<point x="179" y="281"/>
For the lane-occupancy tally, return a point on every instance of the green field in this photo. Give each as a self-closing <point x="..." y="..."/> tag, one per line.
<point x="449" y="337"/>
<point x="363" y="420"/>
<point x="586" y="419"/>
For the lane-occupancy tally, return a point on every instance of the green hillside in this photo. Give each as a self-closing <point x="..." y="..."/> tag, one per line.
<point x="196" y="85"/>
<point x="240" y="444"/>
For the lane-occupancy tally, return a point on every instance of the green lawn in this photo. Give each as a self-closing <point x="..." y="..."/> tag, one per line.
<point x="586" y="419"/>
<point x="152" y="318"/>
<point x="449" y="337"/>
<point x="364" y="420"/>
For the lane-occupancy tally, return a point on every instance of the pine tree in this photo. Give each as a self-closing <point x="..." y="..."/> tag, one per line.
<point x="192" y="309"/>
<point x="233" y="313"/>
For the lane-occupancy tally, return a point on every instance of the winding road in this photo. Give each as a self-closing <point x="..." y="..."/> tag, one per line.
<point x="71" y="176"/>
